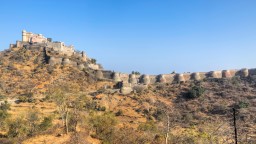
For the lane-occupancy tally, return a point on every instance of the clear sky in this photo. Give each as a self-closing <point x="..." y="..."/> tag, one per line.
<point x="149" y="36"/>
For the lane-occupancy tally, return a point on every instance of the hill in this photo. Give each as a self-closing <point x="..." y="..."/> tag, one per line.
<point x="51" y="93"/>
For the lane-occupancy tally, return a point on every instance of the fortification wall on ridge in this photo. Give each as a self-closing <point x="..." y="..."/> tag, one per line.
<point x="173" y="78"/>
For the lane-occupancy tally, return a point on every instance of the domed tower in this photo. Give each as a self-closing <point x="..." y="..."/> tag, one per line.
<point x="161" y="78"/>
<point x="244" y="72"/>
<point x="180" y="78"/>
<point x="144" y="79"/>
<point x="116" y="77"/>
<point x="196" y="76"/>
<point x="132" y="79"/>
<point x="226" y="74"/>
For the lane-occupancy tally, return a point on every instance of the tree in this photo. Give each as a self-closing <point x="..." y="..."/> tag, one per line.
<point x="77" y="111"/>
<point x="62" y="101"/>
<point x="61" y="94"/>
<point x="33" y="122"/>
<point x="93" y="61"/>
<point x="18" y="128"/>
<point x="164" y="114"/>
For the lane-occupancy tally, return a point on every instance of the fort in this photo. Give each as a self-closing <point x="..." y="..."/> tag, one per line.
<point x="55" y="51"/>
<point x="61" y="54"/>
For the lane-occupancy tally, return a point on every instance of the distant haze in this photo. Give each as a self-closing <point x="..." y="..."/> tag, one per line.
<point x="149" y="36"/>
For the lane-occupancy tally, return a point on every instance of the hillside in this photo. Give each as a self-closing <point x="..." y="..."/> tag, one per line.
<point x="56" y="98"/>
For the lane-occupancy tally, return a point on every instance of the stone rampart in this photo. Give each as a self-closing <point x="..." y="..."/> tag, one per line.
<point x="172" y="78"/>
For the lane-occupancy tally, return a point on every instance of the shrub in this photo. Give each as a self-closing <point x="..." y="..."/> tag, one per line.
<point x="148" y="126"/>
<point x="46" y="123"/>
<point x="103" y="108"/>
<point x="93" y="61"/>
<point x="104" y="126"/>
<point x="5" y="106"/>
<point x="18" y="128"/>
<point x="195" y="92"/>
<point x="159" y="114"/>
<point x="2" y="97"/>
<point x="28" y="97"/>
<point x="120" y="113"/>
<point x="243" y="104"/>
<point x="136" y="72"/>
<point x="4" y="115"/>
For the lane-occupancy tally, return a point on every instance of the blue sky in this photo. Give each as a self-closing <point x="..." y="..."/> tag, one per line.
<point x="149" y="36"/>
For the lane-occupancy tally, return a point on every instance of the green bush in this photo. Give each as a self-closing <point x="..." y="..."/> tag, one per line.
<point x="195" y="92"/>
<point x="243" y="104"/>
<point x="136" y="72"/>
<point x="119" y="113"/>
<point x="2" y="97"/>
<point x="159" y="115"/>
<point x="4" y="115"/>
<point x="5" y="106"/>
<point x="28" y="97"/>
<point x="93" y="61"/>
<point x="103" y="108"/>
<point x="148" y="126"/>
<point x="18" y="128"/>
<point x="46" y="123"/>
<point x="104" y="126"/>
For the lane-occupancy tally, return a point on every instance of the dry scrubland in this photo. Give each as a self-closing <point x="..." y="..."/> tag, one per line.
<point x="60" y="104"/>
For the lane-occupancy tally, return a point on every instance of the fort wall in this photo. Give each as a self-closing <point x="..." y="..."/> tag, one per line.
<point x="174" y="78"/>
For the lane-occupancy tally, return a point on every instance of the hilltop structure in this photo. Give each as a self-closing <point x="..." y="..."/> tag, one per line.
<point x="56" y="52"/>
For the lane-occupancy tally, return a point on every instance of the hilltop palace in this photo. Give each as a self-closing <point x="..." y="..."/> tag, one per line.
<point x="59" y="53"/>
<point x="29" y="38"/>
